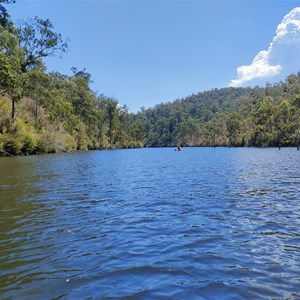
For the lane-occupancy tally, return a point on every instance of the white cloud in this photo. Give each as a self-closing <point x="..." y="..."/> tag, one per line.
<point x="281" y="59"/>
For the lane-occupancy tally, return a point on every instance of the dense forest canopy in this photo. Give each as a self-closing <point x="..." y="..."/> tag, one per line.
<point x="260" y="117"/>
<point x="44" y="112"/>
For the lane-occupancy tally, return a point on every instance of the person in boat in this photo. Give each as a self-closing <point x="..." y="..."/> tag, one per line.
<point x="179" y="148"/>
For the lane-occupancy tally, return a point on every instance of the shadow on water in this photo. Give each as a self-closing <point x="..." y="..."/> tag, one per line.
<point x="19" y="217"/>
<point x="201" y="223"/>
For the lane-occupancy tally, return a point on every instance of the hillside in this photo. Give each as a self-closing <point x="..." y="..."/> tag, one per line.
<point x="44" y="112"/>
<point x="228" y="117"/>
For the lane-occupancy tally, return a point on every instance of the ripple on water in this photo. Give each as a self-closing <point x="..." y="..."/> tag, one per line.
<point x="152" y="224"/>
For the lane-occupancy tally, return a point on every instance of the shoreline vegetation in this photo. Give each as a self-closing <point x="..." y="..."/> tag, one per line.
<point x="44" y="112"/>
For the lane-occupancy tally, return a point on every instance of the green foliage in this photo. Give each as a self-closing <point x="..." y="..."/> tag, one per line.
<point x="5" y="20"/>
<point x="38" y="40"/>
<point x="51" y="112"/>
<point x="228" y="117"/>
<point x="42" y="113"/>
<point x="234" y="124"/>
<point x="11" y="77"/>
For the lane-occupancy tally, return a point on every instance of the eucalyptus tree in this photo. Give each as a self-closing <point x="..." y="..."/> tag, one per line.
<point x="38" y="40"/>
<point x="82" y="74"/>
<point x="233" y="124"/>
<point x="112" y="115"/>
<point x="36" y="85"/>
<point x="11" y="59"/>
<point x="5" y="20"/>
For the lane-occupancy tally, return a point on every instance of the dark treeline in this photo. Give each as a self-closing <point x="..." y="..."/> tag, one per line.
<point x="44" y="112"/>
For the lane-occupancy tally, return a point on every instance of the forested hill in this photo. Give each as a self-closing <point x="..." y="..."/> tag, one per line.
<point x="44" y="112"/>
<point x="268" y="116"/>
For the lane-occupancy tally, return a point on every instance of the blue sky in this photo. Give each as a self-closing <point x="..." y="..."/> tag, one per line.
<point x="144" y="53"/>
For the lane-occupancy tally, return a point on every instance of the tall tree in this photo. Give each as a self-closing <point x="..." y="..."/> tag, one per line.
<point x="233" y="124"/>
<point x="36" y="83"/>
<point x="5" y="20"/>
<point x="82" y="74"/>
<point x="11" y="58"/>
<point x="38" y="40"/>
<point x="112" y="107"/>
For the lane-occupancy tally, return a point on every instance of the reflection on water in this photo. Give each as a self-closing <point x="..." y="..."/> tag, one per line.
<point x="151" y="224"/>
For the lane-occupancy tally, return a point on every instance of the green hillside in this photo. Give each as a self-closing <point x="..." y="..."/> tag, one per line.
<point x="259" y="117"/>
<point x="44" y="112"/>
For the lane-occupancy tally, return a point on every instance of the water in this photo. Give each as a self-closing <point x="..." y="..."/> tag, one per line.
<point x="203" y="223"/>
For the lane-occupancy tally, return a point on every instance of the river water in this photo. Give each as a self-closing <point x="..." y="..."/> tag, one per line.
<point x="202" y="223"/>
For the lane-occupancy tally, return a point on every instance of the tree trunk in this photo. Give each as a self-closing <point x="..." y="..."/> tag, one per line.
<point x="13" y="108"/>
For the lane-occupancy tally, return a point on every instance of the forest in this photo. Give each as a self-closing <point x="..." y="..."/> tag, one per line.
<point x="47" y="112"/>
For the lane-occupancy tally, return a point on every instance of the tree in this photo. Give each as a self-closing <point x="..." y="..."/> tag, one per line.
<point x="285" y="126"/>
<point x="38" y="40"/>
<point x="82" y="74"/>
<point x="264" y="123"/>
<point x="5" y="20"/>
<point x="10" y="67"/>
<point x="112" y="107"/>
<point x="81" y="96"/>
<point x="36" y="83"/>
<point x="233" y="124"/>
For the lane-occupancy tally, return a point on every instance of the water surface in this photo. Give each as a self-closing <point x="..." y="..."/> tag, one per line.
<point x="203" y="223"/>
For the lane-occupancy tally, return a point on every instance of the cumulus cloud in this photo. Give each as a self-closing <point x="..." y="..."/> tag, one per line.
<point x="281" y="59"/>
